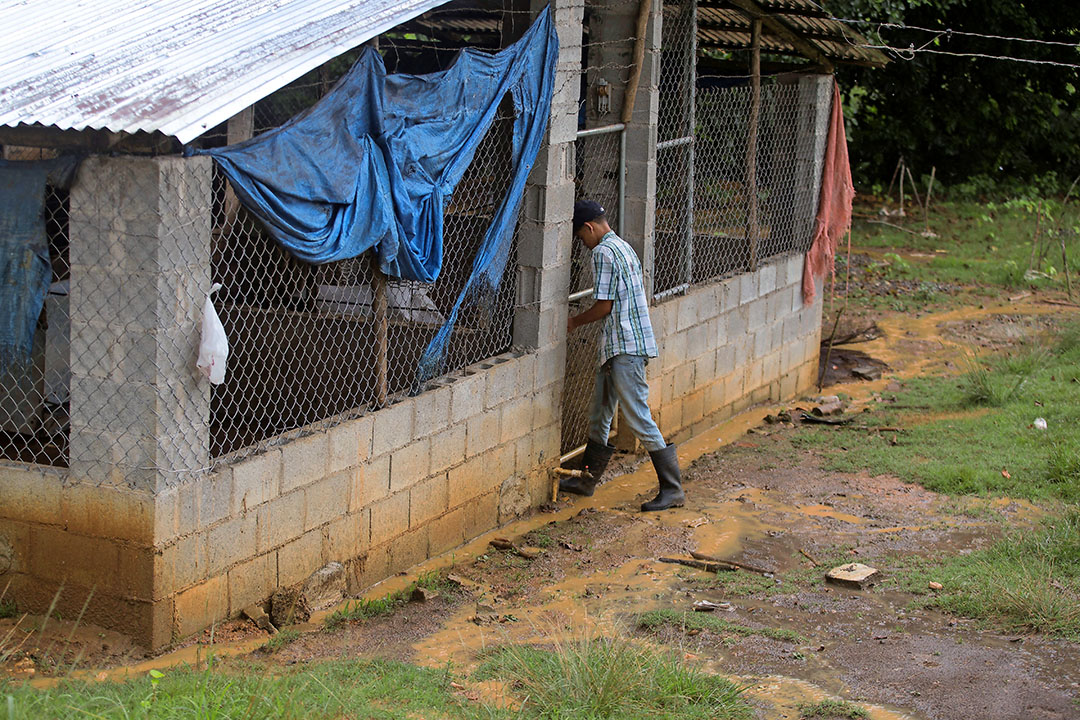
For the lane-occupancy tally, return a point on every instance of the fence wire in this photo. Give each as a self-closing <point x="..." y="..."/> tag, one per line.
<point x="722" y="209"/>
<point x="308" y="344"/>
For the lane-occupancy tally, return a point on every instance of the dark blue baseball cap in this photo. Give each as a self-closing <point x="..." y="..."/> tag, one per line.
<point x="586" y="211"/>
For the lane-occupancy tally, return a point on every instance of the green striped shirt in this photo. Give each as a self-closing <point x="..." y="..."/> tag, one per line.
<point x="617" y="273"/>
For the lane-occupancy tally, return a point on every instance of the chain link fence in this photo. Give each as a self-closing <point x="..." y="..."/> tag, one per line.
<point x="722" y="207"/>
<point x="111" y="389"/>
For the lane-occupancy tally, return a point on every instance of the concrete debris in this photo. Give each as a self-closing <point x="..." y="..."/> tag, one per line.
<point x="289" y="606"/>
<point x="867" y="372"/>
<point x="525" y="551"/>
<point x="853" y="575"/>
<point x="571" y="546"/>
<point x="935" y="586"/>
<point x="257" y="615"/>
<point x="709" y="606"/>
<point x="325" y="587"/>
<point x="423" y="595"/>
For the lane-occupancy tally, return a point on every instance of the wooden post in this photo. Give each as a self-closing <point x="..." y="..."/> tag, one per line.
<point x="379" y="305"/>
<point x="639" y="59"/>
<point x="752" y="141"/>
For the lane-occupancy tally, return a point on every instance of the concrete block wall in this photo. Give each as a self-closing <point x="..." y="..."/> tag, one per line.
<point x="379" y="493"/>
<point x="726" y="346"/>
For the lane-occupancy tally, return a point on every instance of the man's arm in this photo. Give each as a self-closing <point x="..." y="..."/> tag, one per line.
<point x="600" y="310"/>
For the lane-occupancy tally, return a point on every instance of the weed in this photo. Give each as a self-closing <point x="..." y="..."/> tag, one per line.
<point x="281" y="640"/>
<point x="363" y="609"/>
<point x="8" y="609"/>
<point x="1030" y="581"/>
<point x="832" y="709"/>
<point x="540" y="538"/>
<point x="702" y="621"/>
<point x="742" y="584"/>
<point x="611" y="677"/>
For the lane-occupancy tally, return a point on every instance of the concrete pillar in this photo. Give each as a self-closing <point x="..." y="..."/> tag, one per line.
<point x="544" y="233"/>
<point x="140" y="268"/>
<point x="812" y="128"/>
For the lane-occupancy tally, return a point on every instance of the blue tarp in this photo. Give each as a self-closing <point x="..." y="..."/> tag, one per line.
<point x="373" y="164"/>
<point x="25" y="269"/>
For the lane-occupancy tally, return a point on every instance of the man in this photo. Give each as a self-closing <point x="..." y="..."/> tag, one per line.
<point x="626" y="343"/>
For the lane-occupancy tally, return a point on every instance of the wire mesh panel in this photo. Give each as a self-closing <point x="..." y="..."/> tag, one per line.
<point x="675" y="149"/>
<point x="35" y="390"/>
<point x="311" y="341"/>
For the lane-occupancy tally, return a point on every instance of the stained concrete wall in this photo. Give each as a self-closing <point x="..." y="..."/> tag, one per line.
<point x="723" y="347"/>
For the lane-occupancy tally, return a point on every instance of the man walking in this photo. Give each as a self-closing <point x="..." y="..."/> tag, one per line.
<point x="626" y="343"/>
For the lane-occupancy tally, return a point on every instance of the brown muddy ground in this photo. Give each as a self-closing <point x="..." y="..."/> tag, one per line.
<point x="756" y="497"/>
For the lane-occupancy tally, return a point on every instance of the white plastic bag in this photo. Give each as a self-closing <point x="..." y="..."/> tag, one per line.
<point x="214" y="347"/>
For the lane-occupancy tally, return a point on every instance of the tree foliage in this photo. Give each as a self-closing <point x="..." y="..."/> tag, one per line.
<point x="1008" y="121"/>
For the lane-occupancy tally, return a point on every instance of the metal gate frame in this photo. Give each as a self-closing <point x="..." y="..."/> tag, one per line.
<point x="582" y="428"/>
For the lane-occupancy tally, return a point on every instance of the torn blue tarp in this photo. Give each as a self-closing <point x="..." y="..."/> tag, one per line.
<point x="25" y="269"/>
<point x="373" y="164"/>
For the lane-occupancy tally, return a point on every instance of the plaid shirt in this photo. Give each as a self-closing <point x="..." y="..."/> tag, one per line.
<point x="617" y="272"/>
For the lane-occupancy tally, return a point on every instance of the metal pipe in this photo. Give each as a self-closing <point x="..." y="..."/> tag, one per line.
<point x="678" y="289"/>
<point x="600" y="130"/>
<point x="667" y="144"/>
<point x="622" y="179"/>
<point x="581" y="294"/>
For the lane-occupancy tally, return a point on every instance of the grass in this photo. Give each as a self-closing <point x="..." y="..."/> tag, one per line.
<point x="282" y="639"/>
<point x="832" y="709"/>
<point x="364" y="609"/>
<point x="1027" y="582"/>
<point x="330" y="690"/>
<point x="611" y="677"/>
<point x="684" y="621"/>
<point x="986" y="444"/>
<point x="741" y="583"/>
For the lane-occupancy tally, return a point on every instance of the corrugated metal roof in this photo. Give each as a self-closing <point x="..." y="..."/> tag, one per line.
<point x="175" y="66"/>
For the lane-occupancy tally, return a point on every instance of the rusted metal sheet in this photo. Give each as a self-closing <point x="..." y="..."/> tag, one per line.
<point x="175" y="66"/>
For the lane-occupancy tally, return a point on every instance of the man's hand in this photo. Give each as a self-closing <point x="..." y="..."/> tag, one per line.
<point x="599" y="310"/>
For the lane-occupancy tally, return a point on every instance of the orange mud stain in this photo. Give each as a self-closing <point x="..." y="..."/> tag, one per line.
<point x="784" y="695"/>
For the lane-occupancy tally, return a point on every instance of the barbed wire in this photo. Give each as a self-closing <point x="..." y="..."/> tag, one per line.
<point x="950" y="32"/>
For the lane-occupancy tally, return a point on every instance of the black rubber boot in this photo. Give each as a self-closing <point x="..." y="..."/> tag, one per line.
<point x="594" y="461"/>
<point x="671" y="494"/>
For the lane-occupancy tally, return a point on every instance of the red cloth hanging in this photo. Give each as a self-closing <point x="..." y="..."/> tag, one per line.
<point x="834" y="204"/>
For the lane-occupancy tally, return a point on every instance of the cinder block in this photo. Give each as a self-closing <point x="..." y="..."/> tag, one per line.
<point x="469" y="479"/>
<point x="299" y="558"/>
<point x="694" y="407"/>
<point x="230" y="542"/>
<point x="181" y="565"/>
<point x="767" y="279"/>
<point x="30" y="495"/>
<point x="467" y="397"/>
<point x="429" y="499"/>
<point x="328" y="499"/>
<point x="482" y="432"/>
<point x="255" y="480"/>
<point x="304" y="461"/>
<point x="517" y="419"/>
<point x="724" y="360"/>
<point x="770" y="368"/>
<point x="687" y="313"/>
<point x="448" y="448"/>
<point x="410" y="464"/>
<point x="524" y="459"/>
<point x="409" y="549"/>
<point x="63" y="556"/>
<point x="393" y="428"/>
<point x="252" y="581"/>
<point x="756" y="314"/>
<point x="697" y="341"/>
<point x="446" y="532"/>
<point x="684" y="380"/>
<point x="349" y="443"/>
<point x="481" y="514"/>
<point x="214" y="498"/>
<point x="369" y="568"/>
<point x="389" y="518"/>
<point x="432" y="410"/>
<point x="197" y="607"/>
<point x="372" y="483"/>
<point x="279" y="521"/>
<point x="705" y="369"/>
<point x="344" y="538"/>
<point x="109" y="512"/>
<point x="501" y="384"/>
<point x="748" y="288"/>
<point x="135" y="568"/>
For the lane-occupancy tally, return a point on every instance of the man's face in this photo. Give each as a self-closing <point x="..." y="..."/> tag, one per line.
<point x="589" y="235"/>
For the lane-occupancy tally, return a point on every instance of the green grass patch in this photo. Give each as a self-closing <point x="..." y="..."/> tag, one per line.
<point x="8" y="609"/>
<point x="1027" y="582"/>
<point x="832" y="710"/>
<point x="684" y="621"/>
<point x="281" y="640"/>
<point x="364" y="609"/>
<point x="331" y="690"/>
<point x="741" y="583"/>
<point x="986" y="444"/>
<point x="611" y="677"/>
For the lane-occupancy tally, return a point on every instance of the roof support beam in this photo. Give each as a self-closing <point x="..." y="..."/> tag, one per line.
<point x="779" y="28"/>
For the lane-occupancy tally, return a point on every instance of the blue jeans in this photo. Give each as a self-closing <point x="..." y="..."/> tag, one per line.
<point x="622" y="379"/>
